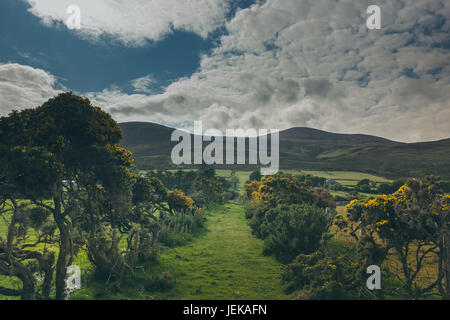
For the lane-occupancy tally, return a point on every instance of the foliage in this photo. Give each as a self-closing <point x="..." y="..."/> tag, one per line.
<point x="255" y="176"/>
<point x="363" y="186"/>
<point x="19" y="257"/>
<point x="272" y="191"/>
<point x="179" y="179"/>
<point x="412" y="223"/>
<point x="203" y="186"/>
<point x="60" y="123"/>
<point x="177" y="228"/>
<point x="321" y="276"/>
<point x="178" y="201"/>
<point x="388" y="188"/>
<point x="289" y="230"/>
<point x="62" y="157"/>
<point x="312" y="181"/>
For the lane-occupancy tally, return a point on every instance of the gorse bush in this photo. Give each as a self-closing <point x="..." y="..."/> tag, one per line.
<point x="288" y="214"/>
<point x="272" y="191"/>
<point x="410" y="224"/>
<point x="325" y="276"/>
<point x="289" y="230"/>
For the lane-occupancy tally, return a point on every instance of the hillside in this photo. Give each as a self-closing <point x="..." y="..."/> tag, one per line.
<point x="312" y="149"/>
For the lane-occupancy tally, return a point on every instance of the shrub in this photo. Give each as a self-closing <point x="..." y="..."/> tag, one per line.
<point x="280" y="189"/>
<point x="183" y="222"/>
<point x="323" y="277"/>
<point x="416" y="216"/>
<point x="178" y="228"/>
<point x="293" y="229"/>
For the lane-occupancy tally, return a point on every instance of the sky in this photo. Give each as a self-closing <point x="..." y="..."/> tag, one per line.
<point x="272" y="64"/>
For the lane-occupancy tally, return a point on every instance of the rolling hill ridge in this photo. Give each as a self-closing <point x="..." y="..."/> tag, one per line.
<point x="310" y="149"/>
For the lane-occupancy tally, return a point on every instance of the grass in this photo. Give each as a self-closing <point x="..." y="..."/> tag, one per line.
<point x="346" y="178"/>
<point x="225" y="262"/>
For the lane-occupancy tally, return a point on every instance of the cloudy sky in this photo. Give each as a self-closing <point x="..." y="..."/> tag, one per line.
<point x="269" y="64"/>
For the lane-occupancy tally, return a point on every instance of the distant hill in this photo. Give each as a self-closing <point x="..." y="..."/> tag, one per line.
<point x="311" y="149"/>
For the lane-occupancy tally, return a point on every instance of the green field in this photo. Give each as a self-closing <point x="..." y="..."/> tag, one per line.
<point x="346" y="178"/>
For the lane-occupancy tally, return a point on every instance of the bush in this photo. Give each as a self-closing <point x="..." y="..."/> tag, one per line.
<point x="293" y="229"/>
<point x="272" y="191"/>
<point x="255" y="213"/>
<point x="178" y="228"/>
<point x="323" y="277"/>
<point x="183" y="222"/>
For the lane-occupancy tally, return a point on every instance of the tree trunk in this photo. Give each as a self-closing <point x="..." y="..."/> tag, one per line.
<point x="64" y="247"/>
<point x="28" y="281"/>
<point x="13" y="268"/>
<point x="47" y="285"/>
<point x="61" y="265"/>
<point x="446" y="259"/>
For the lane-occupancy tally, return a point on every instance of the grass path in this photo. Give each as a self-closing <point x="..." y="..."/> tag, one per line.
<point x="224" y="263"/>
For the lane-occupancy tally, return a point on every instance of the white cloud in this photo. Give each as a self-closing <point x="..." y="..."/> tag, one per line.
<point x="287" y="63"/>
<point x="143" y="84"/>
<point x="135" y="21"/>
<point x="314" y="63"/>
<point x="24" y="87"/>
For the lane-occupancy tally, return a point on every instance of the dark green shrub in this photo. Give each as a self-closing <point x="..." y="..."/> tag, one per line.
<point x="323" y="277"/>
<point x="280" y="189"/>
<point x="293" y="229"/>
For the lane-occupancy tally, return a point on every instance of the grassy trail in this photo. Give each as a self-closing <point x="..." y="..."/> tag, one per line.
<point x="224" y="263"/>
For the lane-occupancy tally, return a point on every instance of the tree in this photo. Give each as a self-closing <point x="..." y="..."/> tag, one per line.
<point x="413" y="224"/>
<point x="363" y="186"/>
<point x="388" y="188"/>
<point x="207" y="188"/>
<point x="25" y="173"/>
<point x="255" y="176"/>
<point x="75" y="135"/>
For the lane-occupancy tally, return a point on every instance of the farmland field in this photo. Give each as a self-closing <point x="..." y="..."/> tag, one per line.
<point x="347" y="178"/>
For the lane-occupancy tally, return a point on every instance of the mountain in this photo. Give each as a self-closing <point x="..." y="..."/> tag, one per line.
<point x="310" y="149"/>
